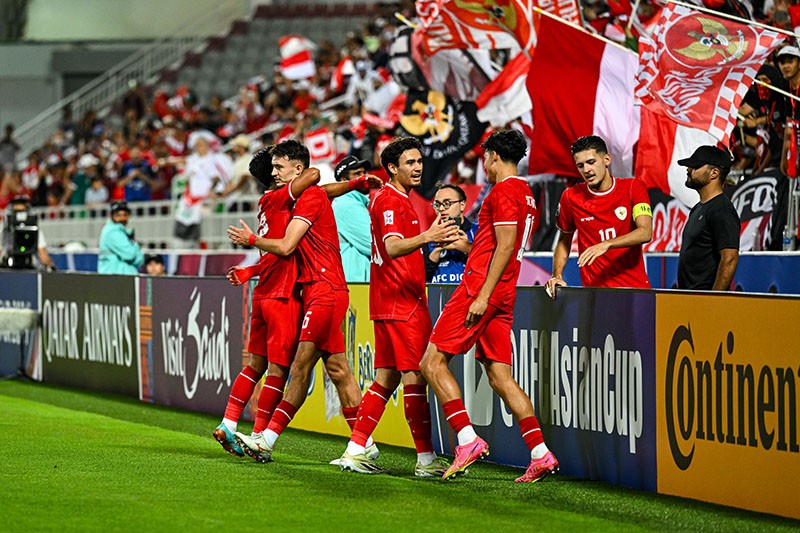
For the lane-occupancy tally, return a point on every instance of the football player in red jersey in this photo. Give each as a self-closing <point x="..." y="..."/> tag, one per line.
<point x="275" y="320"/>
<point x="399" y="309"/>
<point x="612" y="217"/>
<point x="480" y="311"/>
<point x="312" y="232"/>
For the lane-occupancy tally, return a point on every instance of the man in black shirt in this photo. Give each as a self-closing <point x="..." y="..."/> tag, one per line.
<point x="710" y="246"/>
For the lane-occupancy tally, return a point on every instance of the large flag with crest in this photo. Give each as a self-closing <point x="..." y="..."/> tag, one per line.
<point x="446" y="127"/>
<point x="696" y="68"/>
<point x="492" y="24"/>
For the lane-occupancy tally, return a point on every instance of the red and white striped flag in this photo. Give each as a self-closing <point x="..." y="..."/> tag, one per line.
<point x="696" y="68"/>
<point x="297" y="59"/>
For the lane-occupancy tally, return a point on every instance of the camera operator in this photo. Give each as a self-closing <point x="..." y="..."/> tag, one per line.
<point x="444" y="262"/>
<point x="20" y="217"/>
<point x="119" y="252"/>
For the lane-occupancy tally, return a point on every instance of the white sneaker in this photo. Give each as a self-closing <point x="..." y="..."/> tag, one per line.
<point x="372" y="452"/>
<point x="255" y="446"/>
<point x="360" y="463"/>
<point x="437" y="468"/>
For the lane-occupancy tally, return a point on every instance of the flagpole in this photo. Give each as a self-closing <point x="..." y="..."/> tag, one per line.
<point x="584" y="30"/>
<point x="781" y="91"/>
<point x="731" y="17"/>
<point x="634" y="13"/>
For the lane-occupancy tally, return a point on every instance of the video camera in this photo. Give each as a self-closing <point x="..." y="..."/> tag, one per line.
<point x="20" y="238"/>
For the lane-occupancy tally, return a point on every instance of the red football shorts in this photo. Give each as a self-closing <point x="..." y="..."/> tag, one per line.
<point x="274" y="329"/>
<point x="491" y="335"/>
<point x="325" y="310"/>
<point x="401" y="344"/>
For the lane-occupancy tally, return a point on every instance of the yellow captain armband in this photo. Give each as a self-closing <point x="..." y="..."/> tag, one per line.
<point x="642" y="209"/>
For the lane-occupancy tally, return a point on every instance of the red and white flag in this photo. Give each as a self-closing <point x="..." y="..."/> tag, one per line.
<point x="343" y="69"/>
<point x="662" y="143"/>
<point x="580" y="86"/>
<point x="487" y="24"/>
<point x="506" y="97"/>
<point x="696" y="68"/>
<point x="297" y="58"/>
<point x="320" y="145"/>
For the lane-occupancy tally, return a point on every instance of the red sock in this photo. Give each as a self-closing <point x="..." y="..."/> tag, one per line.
<point x="529" y="427"/>
<point x="418" y="416"/>
<point x="456" y="414"/>
<point x="369" y="412"/>
<point x="243" y="387"/>
<point x="270" y="397"/>
<point x="281" y="417"/>
<point x="350" y="415"/>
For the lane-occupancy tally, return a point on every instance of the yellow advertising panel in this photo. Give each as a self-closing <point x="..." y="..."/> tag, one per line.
<point x="321" y="413"/>
<point x="728" y="399"/>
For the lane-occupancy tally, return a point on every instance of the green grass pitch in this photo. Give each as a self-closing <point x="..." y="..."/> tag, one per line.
<point x="80" y="461"/>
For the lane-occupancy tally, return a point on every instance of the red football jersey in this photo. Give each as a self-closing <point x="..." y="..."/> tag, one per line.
<point x="510" y="202"/>
<point x="601" y="216"/>
<point x="397" y="286"/>
<point x="277" y="275"/>
<point x="319" y="258"/>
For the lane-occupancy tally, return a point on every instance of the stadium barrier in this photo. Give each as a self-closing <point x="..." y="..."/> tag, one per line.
<point x="673" y="392"/>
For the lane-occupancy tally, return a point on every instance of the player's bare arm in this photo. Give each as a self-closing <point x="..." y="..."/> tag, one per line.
<point x="729" y="258"/>
<point x="285" y="246"/>
<point x="506" y="236"/>
<point x="306" y="179"/>
<point x="438" y="232"/>
<point x="361" y="183"/>
<point x="642" y="234"/>
<point x="560" y="256"/>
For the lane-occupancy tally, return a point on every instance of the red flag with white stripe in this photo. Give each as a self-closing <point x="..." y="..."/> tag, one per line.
<point x="506" y="97"/>
<point x="696" y="68"/>
<point x="662" y="144"/>
<point x="297" y="59"/>
<point x="580" y="86"/>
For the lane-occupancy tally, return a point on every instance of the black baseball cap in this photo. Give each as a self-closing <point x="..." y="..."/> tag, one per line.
<point x="120" y="206"/>
<point x="347" y="164"/>
<point x="707" y="155"/>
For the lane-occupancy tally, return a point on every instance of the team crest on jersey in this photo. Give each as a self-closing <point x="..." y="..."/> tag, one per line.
<point x="621" y="212"/>
<point x="388" y="218"/>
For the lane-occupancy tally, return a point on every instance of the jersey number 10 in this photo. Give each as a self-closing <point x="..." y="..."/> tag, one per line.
<point x="606" y="234"/>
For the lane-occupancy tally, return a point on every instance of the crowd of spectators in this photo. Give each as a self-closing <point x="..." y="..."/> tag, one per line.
<point x="142" y="151"/>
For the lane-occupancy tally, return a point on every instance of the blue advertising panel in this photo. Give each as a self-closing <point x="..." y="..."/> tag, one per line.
<point x="587" y="362"/>
<point x="18" y="290"/>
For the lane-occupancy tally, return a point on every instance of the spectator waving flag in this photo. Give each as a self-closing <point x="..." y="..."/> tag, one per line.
<point x="297" y="58"/>
<point x="696" y="68"/>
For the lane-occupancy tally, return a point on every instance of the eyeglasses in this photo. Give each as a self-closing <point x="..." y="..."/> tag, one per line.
<point x="444" y="204"/>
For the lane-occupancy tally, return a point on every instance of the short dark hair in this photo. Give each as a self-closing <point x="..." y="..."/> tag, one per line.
<point x="261" y="167"/>
<point x="589" y="142"/>
<point x="509" y="145"/>
<point x="391" y="154"/>
<point x="462" y="196"/>
<point x="293" y="150"/>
